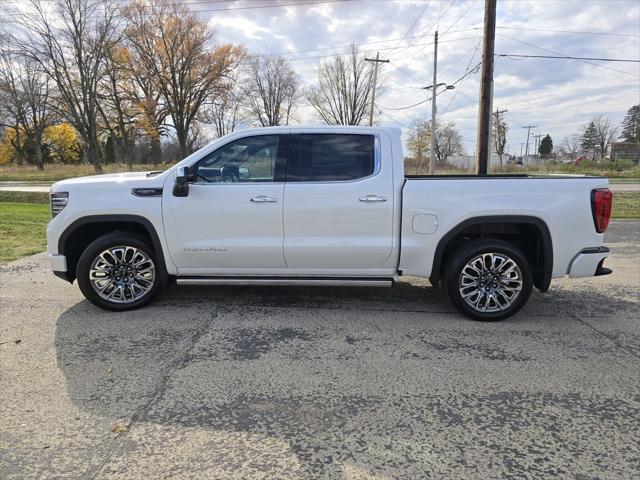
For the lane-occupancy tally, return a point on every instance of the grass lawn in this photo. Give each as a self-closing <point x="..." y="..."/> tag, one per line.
<point x="24" y="217"/>
<point x="22" y="229"/>
<point x="626" y="205"/>
<point x="55" y="172"/>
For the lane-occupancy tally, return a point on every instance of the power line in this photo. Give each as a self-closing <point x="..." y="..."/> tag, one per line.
<point x="577" y="32"/>
<point x="409" y="106"/>
<point x="460" y="17"/>
<point x="567" y="57"/>
<point x="414" y="23"/>
<point x="468" y="72"/>
<point x="356" y="44"/>
<point x="328" y="48"/>
<point x="447" y="31"/>
<point x="455" y="94"/>
<point x="563" y="55"/>
<point x="454" y="62"/>
<point x="428" y="99"/>
<point x="573" y="32"/>
<point x="248" y="7"/>
<point x="277" y="5"/>
<point x="429" y="29"/>
<point x="393" y="119"/>
<point x="369" y="50"/>
<point x="515" y="120"/>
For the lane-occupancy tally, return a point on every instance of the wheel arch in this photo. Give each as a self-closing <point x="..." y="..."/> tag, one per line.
<point x="80" y="233"/>
<point x="485" y="226"/>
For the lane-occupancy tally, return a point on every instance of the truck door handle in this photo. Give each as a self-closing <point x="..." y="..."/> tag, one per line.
<point x="263" y="199"/>
<point x="372" y="198"/>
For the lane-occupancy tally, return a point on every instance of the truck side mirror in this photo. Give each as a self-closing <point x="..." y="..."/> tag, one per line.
<point x="181" y="188"/>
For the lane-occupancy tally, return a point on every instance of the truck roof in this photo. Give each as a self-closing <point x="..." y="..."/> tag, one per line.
<point x="324" y="129"/>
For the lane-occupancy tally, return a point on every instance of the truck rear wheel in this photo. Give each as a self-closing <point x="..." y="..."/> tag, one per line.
<point x="119" y="271"/>
<point x="488" y="280"/>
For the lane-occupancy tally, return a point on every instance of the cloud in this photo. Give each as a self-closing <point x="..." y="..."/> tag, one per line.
<point x="557" y="95"/>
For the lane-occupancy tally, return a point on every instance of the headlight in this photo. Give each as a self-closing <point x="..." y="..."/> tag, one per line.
<point x="59" y="200"/>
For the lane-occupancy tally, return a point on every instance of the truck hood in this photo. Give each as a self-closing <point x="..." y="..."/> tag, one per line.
<point x="110" y="179"/>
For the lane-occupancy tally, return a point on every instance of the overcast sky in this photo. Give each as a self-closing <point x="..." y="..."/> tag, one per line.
<point x="559" y="96"/>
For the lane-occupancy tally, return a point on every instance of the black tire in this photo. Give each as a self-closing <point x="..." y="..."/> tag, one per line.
<point x="468" y="252"/>
<point x="113" y="240"/>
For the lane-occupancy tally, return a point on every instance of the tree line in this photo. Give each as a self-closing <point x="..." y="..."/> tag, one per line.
<point x="96" y="81"/>
<point x="593" y="139"/>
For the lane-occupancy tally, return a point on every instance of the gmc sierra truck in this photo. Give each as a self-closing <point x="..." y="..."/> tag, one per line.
<point x="324" y="206"/>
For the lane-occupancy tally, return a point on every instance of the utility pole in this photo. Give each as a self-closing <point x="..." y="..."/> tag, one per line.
<point x="528" y="127"/>
<point x="375" y="61"/>
<point x="432" y="162"/>
<point x="537" y="137"/>
<point x="486" y="86"/>
<point x="434" y="108"/>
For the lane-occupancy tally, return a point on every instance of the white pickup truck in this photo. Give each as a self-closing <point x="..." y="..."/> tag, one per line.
<point x="324" y="206"/>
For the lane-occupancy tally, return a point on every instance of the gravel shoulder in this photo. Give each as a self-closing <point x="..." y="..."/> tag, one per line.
<point x="334" y="383"/>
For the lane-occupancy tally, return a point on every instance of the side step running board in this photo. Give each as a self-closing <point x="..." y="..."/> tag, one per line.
<point x="288" y="281"/>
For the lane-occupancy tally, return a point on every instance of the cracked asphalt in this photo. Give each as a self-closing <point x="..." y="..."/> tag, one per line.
<point x="310" y="383"/>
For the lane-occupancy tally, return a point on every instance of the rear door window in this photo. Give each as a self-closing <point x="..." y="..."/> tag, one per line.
<point x="328" y="157"/>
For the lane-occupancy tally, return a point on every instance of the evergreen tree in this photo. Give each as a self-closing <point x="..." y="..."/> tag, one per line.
<point x="589" y="140"/>
<point x="546" y="146"/>
<point x="631" y="125"/>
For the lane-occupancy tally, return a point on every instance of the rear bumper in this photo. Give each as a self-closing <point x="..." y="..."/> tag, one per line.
<point x="588" y="263"/>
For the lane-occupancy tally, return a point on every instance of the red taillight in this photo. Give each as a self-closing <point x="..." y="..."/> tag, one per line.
<point x="601" y="200"/>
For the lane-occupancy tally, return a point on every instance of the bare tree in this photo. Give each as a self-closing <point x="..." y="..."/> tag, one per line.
<point x="448" y="142"/>
<point x="197" y="137"/>
<point x="224" y="113"/>
<point x="345" y="86"/>
<point x="572" y="145"/>
<point x="500" y="129"/>
<point x="13" y="108"/>
<point x="70" y="45"/>
<point x="25" y="93"/>
<point x="177" y="49"/>
<point x="272" y="91"/>
<point x="604" y="133"/>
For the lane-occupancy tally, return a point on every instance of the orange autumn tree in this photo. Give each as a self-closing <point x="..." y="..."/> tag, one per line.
<point x="179" y="52"/>
<point x="63" y="143"/>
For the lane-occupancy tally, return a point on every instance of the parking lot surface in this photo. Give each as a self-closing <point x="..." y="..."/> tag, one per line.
<point x="329" y="383"/>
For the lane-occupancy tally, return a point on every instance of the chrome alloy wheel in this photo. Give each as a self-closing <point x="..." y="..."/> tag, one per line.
<point x="122" y="274"/>
<point x="490" y="282"/>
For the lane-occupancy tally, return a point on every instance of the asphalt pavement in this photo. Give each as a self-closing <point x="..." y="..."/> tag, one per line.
<point x="321" y="383"/>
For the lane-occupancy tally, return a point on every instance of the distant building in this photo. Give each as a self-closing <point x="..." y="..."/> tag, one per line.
<point x="624" y="151"/>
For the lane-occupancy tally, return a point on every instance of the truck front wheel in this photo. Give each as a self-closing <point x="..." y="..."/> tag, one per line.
<point x="488" y="280"/>
<point x="119" y="272"/>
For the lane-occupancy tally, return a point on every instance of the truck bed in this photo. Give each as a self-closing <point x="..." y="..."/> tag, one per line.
<point x="561" y="202"/>
<point x="501" y="176"/>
